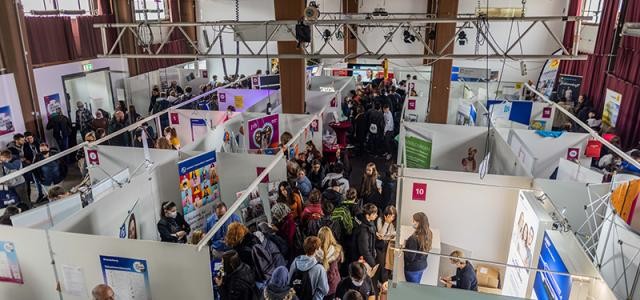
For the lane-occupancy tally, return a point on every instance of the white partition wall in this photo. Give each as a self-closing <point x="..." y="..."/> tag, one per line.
<point x="244" y="99"/>
<point x="572" y="171"/>
<point x="503" y="159"/>
<point x="191" y="125"/>
<point x="114" y="158"/>
<point x="211" y="141"/>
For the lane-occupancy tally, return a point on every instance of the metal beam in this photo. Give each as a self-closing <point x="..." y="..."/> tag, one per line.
<point x="526" y="57"/>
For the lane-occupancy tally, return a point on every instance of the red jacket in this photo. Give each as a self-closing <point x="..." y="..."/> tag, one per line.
<point x="312" y="212"/>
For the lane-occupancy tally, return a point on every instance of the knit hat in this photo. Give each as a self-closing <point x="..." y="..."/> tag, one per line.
<point x="278" y="285"/>
<point x="280" y="211"/>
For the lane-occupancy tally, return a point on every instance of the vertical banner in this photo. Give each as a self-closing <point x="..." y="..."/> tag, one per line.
<point x="523" y="242"/>
<point x="198" y="128"/>
<point x="6" y="120"/>
<point x="612" y="101"/>
<point x="9" y="266"/>
<point x="52" y="103"/>
<point x="550" y="286"/>
<point x="547" y="78"/>
<point x="198" y="188"/>
<point x="418" y="150"/>
<point x="128" y="277"/>
<point x="264" y="132"/>
<point x="569" y="88"/>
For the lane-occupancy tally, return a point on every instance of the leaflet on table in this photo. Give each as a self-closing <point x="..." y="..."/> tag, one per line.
<point x="198" y="188"/>
<point x="128" y="277"/>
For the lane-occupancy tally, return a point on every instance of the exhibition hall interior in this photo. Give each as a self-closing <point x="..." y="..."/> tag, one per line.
<point x="327" y="149"/>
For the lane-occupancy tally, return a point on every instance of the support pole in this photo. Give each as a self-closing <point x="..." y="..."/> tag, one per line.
<point x="292" y="71"/>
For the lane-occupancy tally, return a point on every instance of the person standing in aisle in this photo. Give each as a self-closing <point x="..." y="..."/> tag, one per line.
<point x="388" y="131"/>
<point x="308" y="277"/>
<point x="366" y="235"/>
<point x="84" y="117"/>
<point x="420" y="240"/>
<point x="60" y="125"/>
<point x="465" y="277"/>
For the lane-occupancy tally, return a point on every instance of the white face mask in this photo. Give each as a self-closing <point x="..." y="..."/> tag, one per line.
<point x="357" y="283"/>
<point x="172" y="215"/>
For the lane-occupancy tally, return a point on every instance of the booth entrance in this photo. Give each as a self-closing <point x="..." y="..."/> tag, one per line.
<point x="98" y="89"/>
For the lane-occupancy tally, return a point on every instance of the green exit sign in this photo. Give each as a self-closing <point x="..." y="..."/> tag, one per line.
<point x="87" y="67"/>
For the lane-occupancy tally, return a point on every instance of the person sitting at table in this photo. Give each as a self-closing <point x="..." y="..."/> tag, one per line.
<point x="465" y="277"/>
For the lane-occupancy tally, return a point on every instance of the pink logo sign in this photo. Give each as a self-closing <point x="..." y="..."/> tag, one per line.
<point x="419" y="192"/>
<point x="411" y="105"/>
<point x="92" y="157"/>
<point x="333" y="102"/>
<point x="573" y="154"/>
<point x="175" y="119"/>
<point x="546" y="112"/>
<point x="223" y="97"/>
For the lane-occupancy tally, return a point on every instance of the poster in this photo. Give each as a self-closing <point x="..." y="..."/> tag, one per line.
<point x="547" y="79"/>
<point x="538" y="125"/>
<point x="52" y="103"/>
<point x="73" y="282"/>
<point x="264" y="132"/>
<point x="466" y="115"/>
<point x="238" y="101"/>
<point x="6" y="120"/>
<point x="9" y="266"/>
<point x="418" y="150"/>
<point x="500" y="111"/>
<point x="612" y="100"/>
<point x="128" y="277"/>
<point x="523" y="242"/>
<point x="129" y="228"/>
<point x="548" y="286"/>
<point x="569" y="88"/>
<point x="198" y="188"/>
<point x="198" y="128"/>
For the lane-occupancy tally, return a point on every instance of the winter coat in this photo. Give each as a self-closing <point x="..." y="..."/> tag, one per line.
<point x="312" y="212"/>
<point x="239" y="284"/>
<point x="317" y="275"/>
<point x="366" y="241"/>
<point x="334" y="259"/>
<point x="245" y="249"/>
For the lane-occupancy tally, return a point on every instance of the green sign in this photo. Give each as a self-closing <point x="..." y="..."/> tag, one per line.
<point x="418" y="152"/>
<point x="88" y="67"/>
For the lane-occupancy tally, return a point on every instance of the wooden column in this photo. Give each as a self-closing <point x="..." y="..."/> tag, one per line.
<point x="124" y="14"/>
<point x="188" y="15"/>
<point x="441" y="71"/>
<point x="292" y="71"/>
<point x="350" y="41"/>
<point x="14" y="45"/>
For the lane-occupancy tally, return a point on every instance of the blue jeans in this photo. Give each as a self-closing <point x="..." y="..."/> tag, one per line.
<point x="413" y="277"/>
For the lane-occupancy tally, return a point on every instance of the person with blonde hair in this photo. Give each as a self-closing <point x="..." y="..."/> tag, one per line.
<point x="196" y="237"/>
<point x="172" y="136"/>
<point x="330" y="255"/>
<point x="420" y="240"/>
<point x="465" y="277"/>
<point x="163" y="143"/>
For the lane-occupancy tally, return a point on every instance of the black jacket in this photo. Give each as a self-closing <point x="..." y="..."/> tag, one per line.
<point x="245" y="249"/>
<point x="366" y="239"/>
<point x="123" y="139"/>
<point x="239" y="284"/>
<point x="465" y="278"/>
<point x="30" y="151"/>
<point x="316" y="179"/>
<point x="332" y="196"/>
<point x="61" y="126"/>
<point x="167" y="227"/>
<point x="413" y="261"/>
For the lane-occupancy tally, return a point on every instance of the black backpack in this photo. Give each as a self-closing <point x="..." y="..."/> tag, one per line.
<point x="301" y="283"/>
<point x="266" y="258"/>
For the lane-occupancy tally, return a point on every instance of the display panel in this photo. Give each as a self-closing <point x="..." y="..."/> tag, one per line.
<point x="547" y="285"/>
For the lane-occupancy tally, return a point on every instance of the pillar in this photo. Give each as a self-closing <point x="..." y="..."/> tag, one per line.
<point x="350" y="41"/>
<point x="441" y="71"/>
<point x="124" y="14"/>
<point x="14" y="45"/>
<point x="188" y="15"/>
<point x="292" y="71"/>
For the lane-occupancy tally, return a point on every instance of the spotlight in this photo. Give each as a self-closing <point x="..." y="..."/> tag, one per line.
<point x="380" y="12"/>
<point x="408" y="37"/>
<point x="462" y="38"/>
<point x="312" y="13"/>
<point x="326" y="35"/>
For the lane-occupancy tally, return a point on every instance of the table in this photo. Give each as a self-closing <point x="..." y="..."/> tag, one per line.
<point x="341" y="129"/>
<point x="329" y="152"/>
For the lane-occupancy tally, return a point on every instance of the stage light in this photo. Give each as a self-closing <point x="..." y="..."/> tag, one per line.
<point x="462" y="38"/>
<point x="408" y="37"/>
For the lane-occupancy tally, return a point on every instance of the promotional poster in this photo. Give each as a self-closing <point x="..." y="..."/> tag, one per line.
<point x="198" y="188"/>
<point x="198" y="128"/>
<point x="6" y="120"/>
<point x="128" y="277"/>
<point x="612" y="103"/>
<point x="418" y="150"/>
<point x="547" y="79"/>
<point x="264" y="132"/>
<point x="9" y="266"/>
<point x="549" y="286"/>
<point x="52" y="103"/>
<point x="569" y="88"/>
<point x="523" y="242"/>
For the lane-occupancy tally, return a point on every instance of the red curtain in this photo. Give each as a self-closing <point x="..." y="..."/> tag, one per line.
<point x="87" y="39"/>
<point x="627" y="126"/>
<point x="104" y="7"/>
<point x="50" y="39"/>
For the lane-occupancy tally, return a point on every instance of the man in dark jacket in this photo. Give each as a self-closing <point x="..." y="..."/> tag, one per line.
<point x="51" y="173"/>
<point x="118" y="122"/>
<point x="366" y="234"/>
<point x="316" y="175"/>
<point x="162" y="104"/>
<point x="375" y="125"/>
<point x="62" y="129"/>
<point x="238" y="282"/>
<point x="465" y="277"/>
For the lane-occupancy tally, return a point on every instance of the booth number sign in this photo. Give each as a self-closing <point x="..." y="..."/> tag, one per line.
<point x="419" y="192"/>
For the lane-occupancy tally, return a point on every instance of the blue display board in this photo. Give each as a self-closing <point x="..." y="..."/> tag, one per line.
<point x="547" y="285"/>
<point x="520" y="110"/>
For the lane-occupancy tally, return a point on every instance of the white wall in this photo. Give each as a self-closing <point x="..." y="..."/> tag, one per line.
<point x="537" y="41"/>
<point x="571" y="171"/>
<point x="9" y="96"/>
<point x="470" y="213"/>
<point x="249" y="98"/>
<point x="503" y="160"/>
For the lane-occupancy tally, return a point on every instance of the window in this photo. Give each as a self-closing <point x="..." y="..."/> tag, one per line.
<point x="593" y="8"/>
<point x="150" y="10"/>
<point x="55" y="5"/>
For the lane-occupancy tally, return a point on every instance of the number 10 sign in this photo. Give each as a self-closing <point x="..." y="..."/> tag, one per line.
<point x="419" y="192"/>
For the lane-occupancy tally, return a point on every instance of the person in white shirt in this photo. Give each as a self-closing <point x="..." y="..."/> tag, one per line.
<point x="388" y="131"/>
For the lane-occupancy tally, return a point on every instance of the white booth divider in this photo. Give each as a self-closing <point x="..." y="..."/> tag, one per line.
<point x="572" y="171"/>
<point x="50" y="214"/>
<point x="191" y="125"/>
<point x="340" y="85"/>
<point x="503" y="159"/>
<point x="541" y="117"/>
<point x="245" y="99"/>
<point x="212" y="140"/>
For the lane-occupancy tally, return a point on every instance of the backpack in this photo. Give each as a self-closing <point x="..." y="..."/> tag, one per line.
<point x="298" y="241"/>
<point x="279" y="242"/>
<point x="301" y="283"/>
<point x="266" y="258"/>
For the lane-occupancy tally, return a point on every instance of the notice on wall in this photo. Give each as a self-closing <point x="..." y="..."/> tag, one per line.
<point x="198" y="128"/>
<point x="569" y="88"/>
<point x="52" y="103"/>
<point x="612" y="103"/>
<point x="9" y="267"/>
<point x="418" y="150"/>
<point x="6" y="120"/>
<point x="128" y="277"/>
<point x="238" y="101"/>
<point x="419" y="192"/>
<point x="523" y="242"/>
<point x="198" y="188"/>
<point x="73" y="282"/>
<point x="264" y="132"/>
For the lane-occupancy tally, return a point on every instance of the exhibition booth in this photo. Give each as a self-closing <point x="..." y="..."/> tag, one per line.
<point x="416" y="102"/>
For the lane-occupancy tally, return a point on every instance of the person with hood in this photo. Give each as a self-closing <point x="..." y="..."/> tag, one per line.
<point x="306" y="275"/>
<point x="238" y="281"/>
<point x="303" y="183"/>
<point x="278" y="287"/>
<point x="366" y="234"/>
<point x="172" y="226"/>
<point x="330" y="255"/>
<point x="100" y="121"/>
<point x="316" y="175"/>
<point x="285" y="225"/>
<point x="333" y="193"/>
<point x="239" y="238"/>
<point x="336" y="172"/>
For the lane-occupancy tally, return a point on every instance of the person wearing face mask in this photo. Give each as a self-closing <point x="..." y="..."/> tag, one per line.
<point x="172" y="226"/>
<point x="359" y="281"/>
<point x="420" y="240"/>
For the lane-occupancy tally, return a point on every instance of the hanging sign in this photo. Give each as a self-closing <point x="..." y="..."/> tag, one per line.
<point x="573" y="154"/>
<point x="222" y="97"/>
<point x="593" y="149"/>
<point x="92" y="157"/>
<point x="546" y="112"/>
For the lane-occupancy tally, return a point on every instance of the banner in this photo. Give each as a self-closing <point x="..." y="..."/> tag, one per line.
<point x="547" y="78"/>
<point x="198" y="128"/>
<point x="6" y="120"/>
<point x="198" y="188"/>
<point x="264" y="132"/>
<point x="9" y="266"/>
<point x="128" y="277"/>
<point x="523" y="242"/>
<point x="548" y="285"/>
<point x="612" y="100"/>
<point x="569" y="88"/>
<point x="52" y="103"/>
<point x="418" y="150"/>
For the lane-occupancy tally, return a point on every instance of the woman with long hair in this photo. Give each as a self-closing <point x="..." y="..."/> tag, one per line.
<point x="292" y="199"/>
<point x="172" y="136"/>
<point x="420" y="240"/>
<point x="385" y="234"/>
<point x="311" y="153"/>
<point x="330" y="255"/>
<point x="371" y="186"/>
<point x="240" y="239"/>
